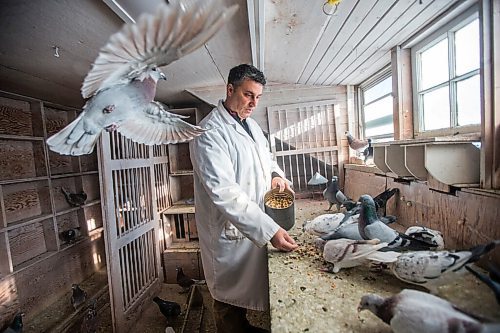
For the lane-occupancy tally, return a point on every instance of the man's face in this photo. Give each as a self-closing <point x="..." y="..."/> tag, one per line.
<point x="244" y="98"/>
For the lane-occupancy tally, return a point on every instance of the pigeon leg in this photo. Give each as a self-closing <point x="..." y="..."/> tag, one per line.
<point x="108" y="109"/>
<point x="330" y="208"/>
<point x="111" y="128"/>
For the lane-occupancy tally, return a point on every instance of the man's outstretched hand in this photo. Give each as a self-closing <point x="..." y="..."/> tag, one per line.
<point x="282" y="241"/>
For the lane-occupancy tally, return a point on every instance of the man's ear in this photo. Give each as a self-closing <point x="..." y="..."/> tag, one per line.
<point x="229" y="89"/>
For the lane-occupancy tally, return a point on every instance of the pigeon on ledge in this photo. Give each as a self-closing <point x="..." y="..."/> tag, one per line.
<point x="70" y="236"/>
<point x="121" y="85"/>
<point x="413" y="311"/>
<point x="74" y="199"/>
<point x="356" y="144"/>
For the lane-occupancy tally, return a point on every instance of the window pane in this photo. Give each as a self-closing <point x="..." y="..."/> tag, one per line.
<point x="378" y="117"/>
<point x="436" y="107"/>
<point x="381" y="89"/>
<point x="467" y="48"/>
<point x="434" y="65"/>
<point x="468" y="101"/>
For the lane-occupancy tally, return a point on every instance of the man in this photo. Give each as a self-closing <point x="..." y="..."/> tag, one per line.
<point x="233" y="169"/>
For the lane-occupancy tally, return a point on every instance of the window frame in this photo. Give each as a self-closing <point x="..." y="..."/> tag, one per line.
<point x="371" y="82"/>
<point x="446" y="31"/>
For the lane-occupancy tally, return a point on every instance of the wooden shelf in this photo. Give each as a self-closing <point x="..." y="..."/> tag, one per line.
<point x="23" y="180"/>
<point x="182" y="173"/>
<point x="21" y="137"/>
<point x="180" y="208"/>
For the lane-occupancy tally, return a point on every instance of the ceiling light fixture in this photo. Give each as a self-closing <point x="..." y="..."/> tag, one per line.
<point x="330" y="6"/>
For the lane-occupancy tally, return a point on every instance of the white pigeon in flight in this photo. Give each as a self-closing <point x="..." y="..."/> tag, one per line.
<point x="121" y="85"/>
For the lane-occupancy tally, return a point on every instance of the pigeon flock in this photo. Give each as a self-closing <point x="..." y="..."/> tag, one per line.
<point x="359" y="234"/>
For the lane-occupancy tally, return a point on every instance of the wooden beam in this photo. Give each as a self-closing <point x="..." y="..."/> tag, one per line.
<point x="402" y="93"/>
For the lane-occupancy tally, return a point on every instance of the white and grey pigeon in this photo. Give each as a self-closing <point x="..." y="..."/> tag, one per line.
<point x="334" y="195"/>
<point x="327" y="223"/>
<point x="413" y="311"/>
<point x="371" y="227"/>
<point x="432" y="269"/>
<point x="121" y="85"/>
<point x="427" y="235"/>
<point x="344" y="253"/>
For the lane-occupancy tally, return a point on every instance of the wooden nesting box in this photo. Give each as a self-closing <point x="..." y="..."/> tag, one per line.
<point x="188" y="257"/>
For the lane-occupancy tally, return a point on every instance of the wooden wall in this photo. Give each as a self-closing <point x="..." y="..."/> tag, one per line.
<point x="466" y="217"/>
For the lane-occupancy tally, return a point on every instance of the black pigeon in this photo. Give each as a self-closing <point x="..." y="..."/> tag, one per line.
<point x="74" y="199"/>
<point x="90" y="322"/>
<point x="16" y="326"/>
<point x="334" y="195"/>
<point x="368" y="152"/>
<point x="184" y="281"/>
<point x="371" y="227"/>
<point x="69" y="236"/>
<point x="78" y="296"/>
<point x="492" y="281"/>
<point x="382" y="198"/>
<point x="167" y="308"/>
<point x="356" y="144"/>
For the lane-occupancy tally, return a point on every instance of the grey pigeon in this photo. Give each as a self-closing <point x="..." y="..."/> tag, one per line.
<point x="432" y="269"/>
<point x="413" y="311"/>
<point x="74" y="199"/>
<point x="16" y="326"/>
<point x="70" y="236"/>
<point x="317" y="179"/>
<point x="121" y="85"/>
<point x="333" y="194"/>
<point x="427" y="235"/>
<point x="356" y="144"/>
<point x="371" y="227"/>
<point x="382" y="198"/>
<point x="368" y="151"/>
<point x="90" y="321"/>
<point x="492" y="281"/>
<point x="344" y="253"/>
<point x="78" y="296"/>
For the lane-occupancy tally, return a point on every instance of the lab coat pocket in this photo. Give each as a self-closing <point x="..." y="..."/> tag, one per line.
<point x="231" y="232"/>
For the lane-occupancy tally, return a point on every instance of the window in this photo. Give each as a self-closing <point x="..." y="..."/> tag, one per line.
<point x="376" y="107"/>
<point x="447" y="78"/>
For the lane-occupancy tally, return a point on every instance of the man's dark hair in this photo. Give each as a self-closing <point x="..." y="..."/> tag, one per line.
<point x="241" y="72"/>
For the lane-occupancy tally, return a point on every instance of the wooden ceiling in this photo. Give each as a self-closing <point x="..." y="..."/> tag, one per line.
<point x="47" y="47"/>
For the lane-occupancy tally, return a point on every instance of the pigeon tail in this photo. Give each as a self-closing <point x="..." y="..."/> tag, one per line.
<point x="73" y="139"/>
<point x="480" y="250"/>
<point x="385" y="257"/>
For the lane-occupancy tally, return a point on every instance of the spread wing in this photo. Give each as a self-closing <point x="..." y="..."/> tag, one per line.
<point x="155" y="40"/>
<point x="157" y="126"/>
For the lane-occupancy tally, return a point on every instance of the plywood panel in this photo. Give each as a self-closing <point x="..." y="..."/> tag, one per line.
<point x="15" y="117"/>
<point x="27" y="242"/>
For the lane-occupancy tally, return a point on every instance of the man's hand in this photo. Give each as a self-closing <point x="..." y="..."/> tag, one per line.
<point x="282" y="241"/>
<point x="281" y="183"/>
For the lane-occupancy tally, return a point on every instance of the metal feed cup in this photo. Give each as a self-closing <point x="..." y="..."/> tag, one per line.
<point x="280" y="207"/>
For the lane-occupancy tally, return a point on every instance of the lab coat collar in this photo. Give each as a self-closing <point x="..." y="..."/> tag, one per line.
<point x="231" y="121"/>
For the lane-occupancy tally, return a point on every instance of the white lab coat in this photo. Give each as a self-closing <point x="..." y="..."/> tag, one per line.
<point x="232" y="172"/>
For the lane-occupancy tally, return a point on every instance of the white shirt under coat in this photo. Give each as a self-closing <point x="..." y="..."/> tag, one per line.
<point x="232" y="172"/>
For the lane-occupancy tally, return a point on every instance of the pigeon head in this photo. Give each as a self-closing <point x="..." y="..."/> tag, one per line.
<point x="319" y="243"/>
<point x="156" y="74"/>
<point x="370" y="302"/>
